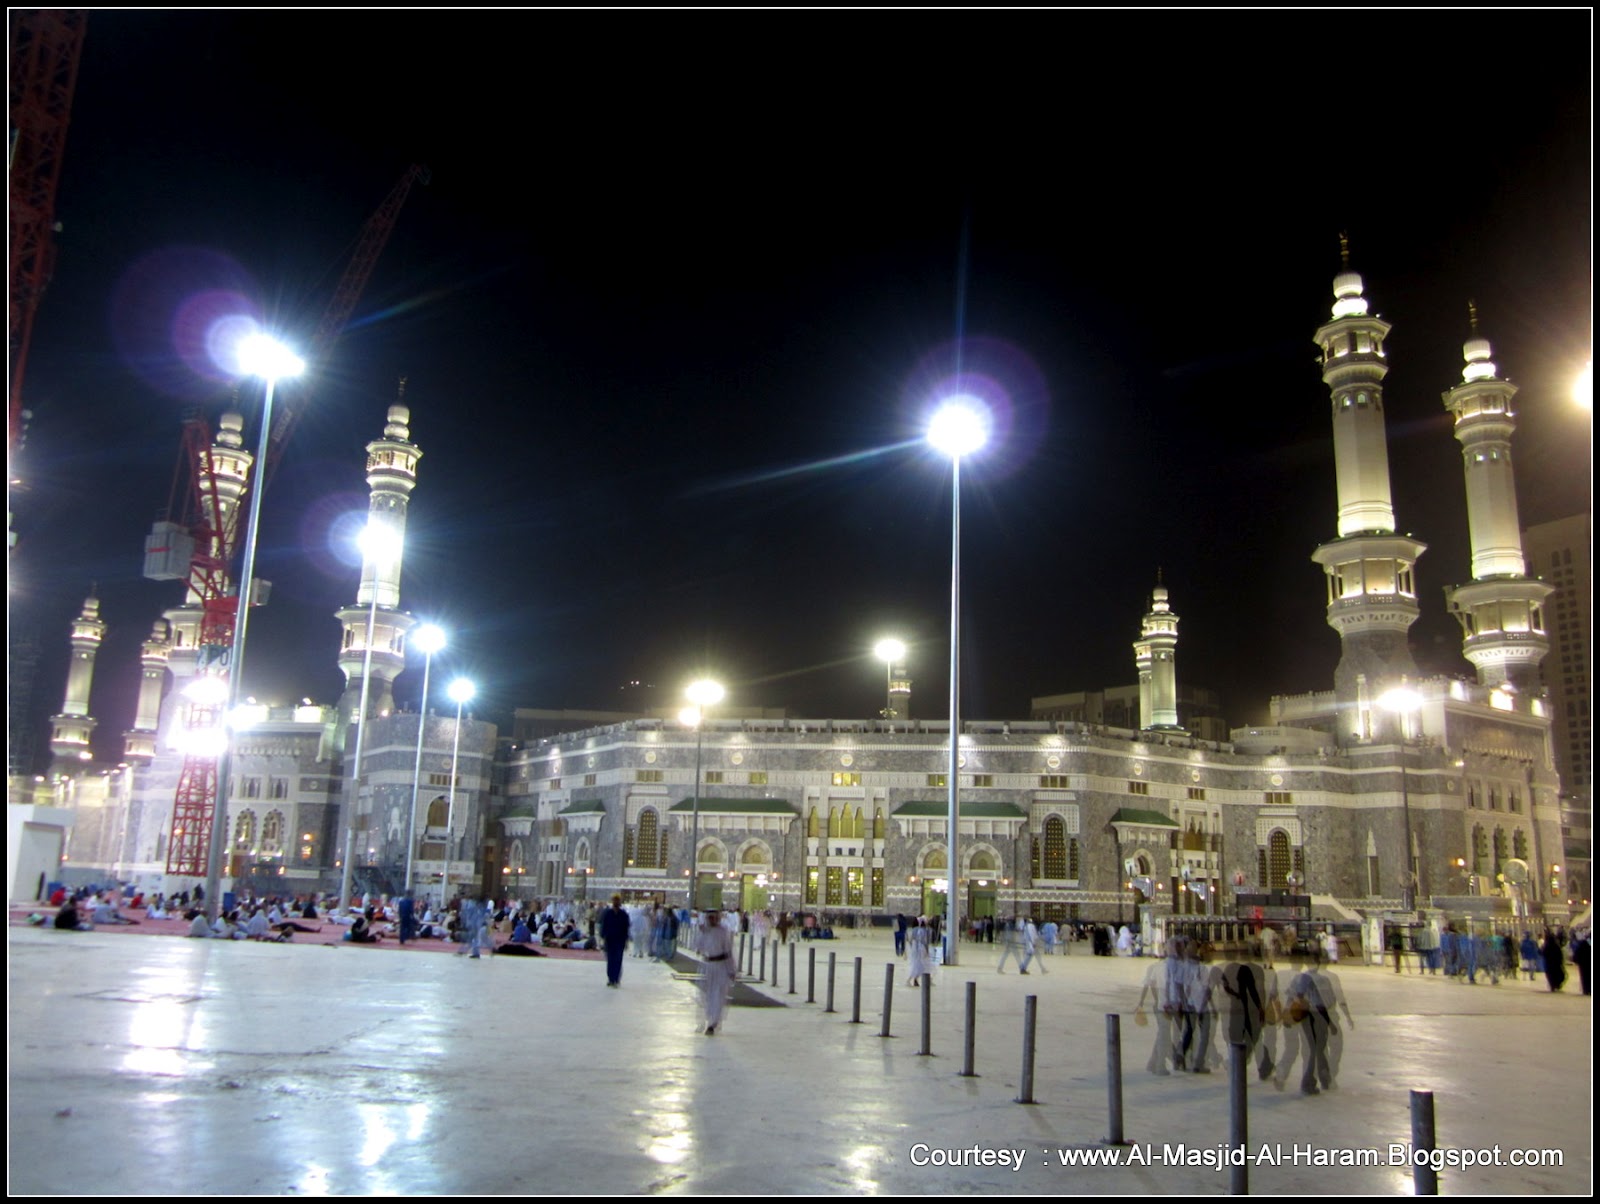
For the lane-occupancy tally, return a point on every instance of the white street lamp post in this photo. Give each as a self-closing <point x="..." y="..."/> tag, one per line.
<point x="378" y="543"/>
<point x="270" y="360"/>
<point x="461" y="691"/>
<point x="427" y="640"/>
<point x="703" y="694"/>
<point x="958" y="428"/>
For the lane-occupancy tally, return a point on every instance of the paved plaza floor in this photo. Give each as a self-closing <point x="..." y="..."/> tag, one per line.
<point x="175" y="1067"/>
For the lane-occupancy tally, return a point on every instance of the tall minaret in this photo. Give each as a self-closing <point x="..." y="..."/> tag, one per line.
<point x="139" y="742"/>
<point x="391" y="476"/>
<point x="1501" y="610"/>
<point x="1372" y="594"/>
<point x="1156" y="655"/>
<point x="900" y="691"/>
<point x="221" y="478"/>
<point x="70" y="730"/>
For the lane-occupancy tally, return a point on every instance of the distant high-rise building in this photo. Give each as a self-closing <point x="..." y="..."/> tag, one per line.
<point x="1561" y="553"/>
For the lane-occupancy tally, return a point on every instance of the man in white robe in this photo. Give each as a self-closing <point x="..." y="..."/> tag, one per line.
<point x="716" y="980"/>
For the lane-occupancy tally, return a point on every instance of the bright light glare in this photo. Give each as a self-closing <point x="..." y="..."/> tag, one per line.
<point x="203" y="741"/>
<point x="263" y="356"/>
<point x="705" y="693"/>
<point x="1402" y="700"/>
<point x="960" y="426"/>
<point x="379" y="541"/>
<point x="461" y="690"/>
<point x="206" y="690"/>
<point x="428" y="639"/>
<point x="1583" y="387"/>
<point x="891" y="650"/>
<point x="689" y="716"/>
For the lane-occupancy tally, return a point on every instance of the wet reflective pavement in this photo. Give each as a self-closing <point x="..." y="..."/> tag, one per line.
<point x="176" y="1067"/>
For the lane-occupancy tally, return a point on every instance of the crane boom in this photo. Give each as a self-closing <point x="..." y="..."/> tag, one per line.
<point x="374" y="236"/>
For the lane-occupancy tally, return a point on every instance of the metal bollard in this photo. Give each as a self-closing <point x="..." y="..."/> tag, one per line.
<point x="971" y="1039"/>
<point x="775" y="965"/>
<point x="1238" y="1120"/>
<point x="1114" y="1077"/>
<point x="855" y="1003"/>
<point x="927" y="1016"/>
<point x="888" y="997"/>
<point x="1424" y="1179"/>
<point x="739" y="960"/>
<point x="762" y="977"/>
<point x="811" y="975"/>
<point x="792" y="949"/>
<point x="1030" y="1024"/>
<point x="831" y="956"/>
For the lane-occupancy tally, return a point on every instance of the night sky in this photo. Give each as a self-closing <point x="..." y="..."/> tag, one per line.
<point x="683" y="286"/>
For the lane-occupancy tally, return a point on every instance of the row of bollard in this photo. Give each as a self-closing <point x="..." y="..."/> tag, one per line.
<point x="1425" y="1180"/>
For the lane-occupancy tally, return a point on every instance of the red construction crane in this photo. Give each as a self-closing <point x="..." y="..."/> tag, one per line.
<point x="46" y="45"/>
<point x="201" y="547"/>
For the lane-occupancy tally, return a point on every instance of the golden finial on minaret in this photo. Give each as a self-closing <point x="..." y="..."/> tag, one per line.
<point x="402" y="392"/>
<point x="1344" y="250"/>
<point x="1472" y="317"/>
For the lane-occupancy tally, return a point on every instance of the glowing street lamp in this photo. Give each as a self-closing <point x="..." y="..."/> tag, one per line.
<point x="704" y="693"/>
<point x="380" y="545"/>
<point x="1405" y="702"/>
<point x="958" y="428"/>
<point x="427" y="640"/>
<point x="261" y="356"/>
<point x="461" y="692"/>
<point x="1583" y="387"/>
<point x="891" y="652"/>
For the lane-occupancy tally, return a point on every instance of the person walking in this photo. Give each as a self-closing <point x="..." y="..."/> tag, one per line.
<point x="1030" y="946"/>
<point x="900" y="925"/>
<point x="716" y="979"/>
<point x="1555" y="966"/>
<point x="919" y="943"/>
<point x="614" y="926"/>
<point x="1010" y="944"/>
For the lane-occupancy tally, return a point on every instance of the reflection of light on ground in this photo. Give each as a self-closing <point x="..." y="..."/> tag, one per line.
<point x="378" y="1136"/>
<point x="670" y="1139"/>
<point x="156" y="1031"/>
<point x="314" y="1182"/>
<point x="859" y="1163"/>
<point x="418" y="1114"/>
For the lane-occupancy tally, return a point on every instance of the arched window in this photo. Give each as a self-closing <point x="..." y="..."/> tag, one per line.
<point x="244" y="832"/>
<point x="812" y="823"/>
<point x="648" y="844"/>
<point x="516" y="863"/>
<point x="857" y="825"/>
<point x="1055" y="848"/>
<point x="272" y="834"/>
<point x="877" y="825"/>
<point x="439" y="812"/>
<point x="1072" y="860"/>
<point x="1519" y="845"/>
<point x="1279" y="861"/>
<point x="833" y="822"/>
<point x="983" y="862"/>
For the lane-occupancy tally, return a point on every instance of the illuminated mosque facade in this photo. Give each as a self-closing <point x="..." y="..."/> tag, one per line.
<point x="1387" y="793"/>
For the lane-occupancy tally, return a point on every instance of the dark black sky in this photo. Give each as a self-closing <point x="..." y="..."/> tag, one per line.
<point x="676" y="298"/>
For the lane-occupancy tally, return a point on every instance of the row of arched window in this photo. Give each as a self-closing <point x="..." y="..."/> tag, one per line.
<point x="845" y="822"/>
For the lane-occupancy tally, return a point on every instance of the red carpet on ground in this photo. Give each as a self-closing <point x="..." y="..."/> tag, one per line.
<point x="326" y="934"/>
